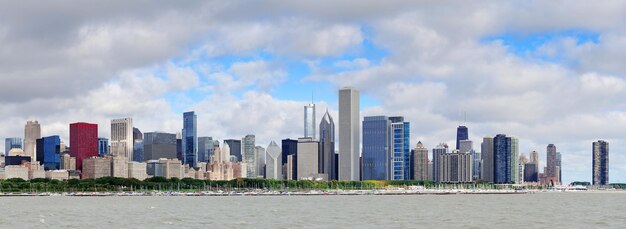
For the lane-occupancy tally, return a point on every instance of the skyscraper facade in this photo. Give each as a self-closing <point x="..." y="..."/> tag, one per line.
<point x="83" y="142"/>
<point x="12" y="143"/>
<point x="455" y="167"/>
<point x="206" y="147"/>
<point x="377" y="150"/>
<point x="477" y="164"/>
<point x="506" y="150"/>
<point x="420" y="162"/>
<point x="400" y="143"/>
<point x="122" y="138"/>
<point x="249" y="156"/>
<point x="441" y="149"/>
<point x="32" y="132"/>
<point x="327" y="156"/>
<point x="261" y="159"/>
<point x="157" y="145"/>
<point x="289" y="148"/>
<point x="190" y="139"/>
<point x="235" y="148"/>
<point x="551" y="165"/>
<point x="349" y="134"/>
<point x="138" y="146"/>
<point x="488" y="159"/>
<point x="558" y="166"/>
<point x="103" y="147"/>
<point x="600" y="157"/>
<point x="309" y="121"/>
<point x="49" y="152"/>
<point x="307" y="161"/>
<point x="273" y="164"/>
<point x="462" y="133"/>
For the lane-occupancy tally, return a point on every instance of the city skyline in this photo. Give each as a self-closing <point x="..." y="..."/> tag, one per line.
<point x="509" y="73"/>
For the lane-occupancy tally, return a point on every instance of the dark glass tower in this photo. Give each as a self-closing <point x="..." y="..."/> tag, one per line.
<point x="600" y="162"/>
<point x="461" y="134"/>
<point x="190" y="139"/>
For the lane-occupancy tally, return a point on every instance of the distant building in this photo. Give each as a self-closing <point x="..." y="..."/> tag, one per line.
<point x="168" y="168"/>
<point x="327" y="157"/>
<point x="103" y="147"/>
<point x="420" y="162"/>
<point x="12" y="143"/>
<point x="122" y="137"/>
<point x="96" y="167"/>
<point x="377" y="154"/>
<point x="261" y="158"/>
<point x="477" y="164"/>
<point x="119" y="166"/>
<point x="505" y="159"/>
<point x="400" y="147"/>
<point x="138" y="146"/>
<point x="137" y="170"/>
<point x="551" y="165"/>
<point x="289" y="147"/>
<point x="531" y="173"/>
<point x="558" y="167"/>
<point x="309" y="121"/>
<point x="235" y="148"/>
<point x="83" y="142"/>
<point x="600" y="157"/>
<point x="157" y="145"/>
<point x="49" y="152"/>
<point x="273" y="164"/>
<point x="249" y="156"/>
<point x="349" y="134"/>
<point x="57" y="174"/>
<point x="441" y="149"/>
<point x="462" y="133"/>
<point x="68" y="162"/>
<point x="16" y="171"/>
<point x="466" y="145"/>
<point x="455" y="167"/>
<point x="205" y="148"/>
<point x="17" y="159"/>
<point x="488" y="159"/>
<point x="308" y="168"/>
<point x="190" y="139"/>
<point x="32" y="132"/>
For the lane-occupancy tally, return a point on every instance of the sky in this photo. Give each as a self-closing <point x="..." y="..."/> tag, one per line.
<point x="543" y="71"/>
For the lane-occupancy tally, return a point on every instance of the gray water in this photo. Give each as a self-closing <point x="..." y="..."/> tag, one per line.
<point x="554" y="210"/>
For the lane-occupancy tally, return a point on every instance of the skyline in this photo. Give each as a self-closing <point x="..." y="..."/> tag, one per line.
<point x="556" y="81"/>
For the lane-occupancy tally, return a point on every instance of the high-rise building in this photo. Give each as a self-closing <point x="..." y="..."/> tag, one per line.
<point x="190" y="139"/>
<point x="12" y="143"/>
<point x="273" y="163"/>
<point x="103" y="147"/>
<point x="179" y="146"/>
<point x="377" y="155"/>
<point x="261" y="160"/>
<point x="506" y="167"/>
<point x="138" y="147"/>
<point x="32" y="132"/>
<point x="206" y="147"/>
<point x="349" y="134"/>
<point x="461" y="134"/>
<point x="466" y="145"/>
<point x="83" y="142"/>
<point x="159" y="145"/>
<point x="309" y="121"/>
<point x="488" y="159"/>
<point x="551" y="165"/>
<point x="600" y="157"/>
<point x="308" y="168"/>
<point x="96" y="167"/>
<point x="327" y="156"/>
<point x="289" y="147"/>
<point x="235" y="148"/>
<point x="249" y="156"/>
<point x="441" y="149"/>
<point x="558" y="167"/>
<point x="455" y="167"/>
<point x="49" y="152"/>
<point x="534" y="157"/>
<point x="420" y="162"/>
<point x="400" y="148"/>
<point x="530" y="172"/>
<point x="477" y="164"/>
<point x="122" y="138"/>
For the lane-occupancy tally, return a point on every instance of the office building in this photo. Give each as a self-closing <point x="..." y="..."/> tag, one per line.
<point x="12" y="143"/>
<point x="16" y="171"/>
<point x="68" y="162"/>
<point x="327" y="156"/>
<point x="600" y="157"/>
<point x="531" y="173"/>
<point x="190" y="139"/>
<point x="488" y="159"/>
<point x="168" y="168"/>
<point x="32" y="132"/>
<point x="273" y="163"/>
<point x="462" y="133"/>
<point x="119" y="166"/>
<point x="477" y="164"/>
<point x="420" y="162"/>
<point x="551" y="165"/>
<point x="103" y="147"/>
<point x="96" y="167"/>
<point x="505" y="159"/>
<point x="309" y="121"/>
<point x="83" y="142"/>
<point x="289" y="147"/>
<point x="308" y="168"/>
<point x="465" y="146"/>
<point x="235" y="148"/>
<point x="249" y="156"/>
<point x="17" y="159"/>
<point x="157" y="145"/>
<point x="137" y="170"/>
<point x="138" y="146"/>
<point x="558" y="167"/>
<point x="261" y="158"/>
<point x="377" y="150"/>
<point x="206" y="145"/>
<point x="49" y="152"/>
<point x="400" y="148"/>
<point x="441" y="149"/>
<point x="455" y="167"/>
<point x="122" y="138"/>
<point x="349" y="134"/>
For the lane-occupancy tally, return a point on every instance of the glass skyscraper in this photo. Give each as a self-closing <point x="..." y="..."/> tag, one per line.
<point x="103" y="147"/>
<point x="12" y="143"/>
<point x="249" y="156"/>
<point x="505" y="154"/>
<point x="49" y="152"/>
<point x="190" y="139"/>
<point x="600" y="159"/>
<point x="309" y="121"/>
<point x="401" y="148"/>
<point x="461" y="134"/>
<point x="378" y="163"/>
<point x="327" y="156"/>
<point x="235" y="148"/>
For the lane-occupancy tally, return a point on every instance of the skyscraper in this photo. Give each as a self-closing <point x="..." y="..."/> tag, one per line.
<point x="600" y="158"/>
<point x="190" y="139"/>
<point x="32" y="132"/>
<point x="488" y="159"/>
<point x="378" y="159"/>
<point x="477" y="164"/>
<point x="12" y="143"/>
<point x="308" y="168"/>
<point x="309" y="121"/>
<point x="461" y="134"/>
<point x="327" y="156"/>
<point x="249" y="155"/>
<point x="349" y="134"/>
<point x="558" y="166"/>
<point x="83" y="142"/>
<point x="235" y="148"/>
<point x="122" y="138"/>
<point x="103" y="147"/>
<point x="273" y="164"/>
<point x="261" y="158"/>
<point x="159" y="145"/>
<point x="465" y="146"/>
<point x="400" y="143"/>
<point x="49" y="152"/>
<point x="441" y="149"/>
<point x="506" y="150"/>
<point x="206" y="146"/>
<point x="289" y="148"/>
<point x="138" y="149"/>
<point x="420" y="165"/>
<point x="551" y="176"/>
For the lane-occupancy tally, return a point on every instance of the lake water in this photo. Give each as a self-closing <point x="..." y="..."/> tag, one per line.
<point x="542" y="210"/>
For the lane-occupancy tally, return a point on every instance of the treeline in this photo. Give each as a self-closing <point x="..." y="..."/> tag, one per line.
<point x="188" y="184"/>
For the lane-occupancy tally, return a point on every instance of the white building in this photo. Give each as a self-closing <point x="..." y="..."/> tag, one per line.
<point x="273" y="167"/>
<point x="349" y="134"/>
<point x="137" y="170"/>
<point x="249" y="156"/>
<point x="307" y="160"/>
<point x="32" y="132"/>
<point x="122" y="137"/>
<point x="309" y="121"/>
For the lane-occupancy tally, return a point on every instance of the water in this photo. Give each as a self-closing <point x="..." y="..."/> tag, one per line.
<point x="555" y="210"/>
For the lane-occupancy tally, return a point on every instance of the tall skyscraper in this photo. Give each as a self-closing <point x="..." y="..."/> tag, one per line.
<point x="551" y="167"/>
<point x="32" y="132"/>
<point x="327" y="156"/>
<point x="138" y="149"/>
<point x="261" y="158"/>
<point x="190" y="139"/>
<point x="349" y="134"/>
<point x="159" y="145"/>
<point x="249" y="156"/>
<point x="400" y="143"/>
<point x="477" y="164"/>
<point x="49" y="152"/>
<point x="308" y="168"/>
<point x="235" y="148"/>
<point x="83" y="142"/>
<point x="506" y="150"/>
<point x="558" y="167"/>
<point x="12" y="143"/>
<point x="441" y="149"/>
<point x="103" y="147"/>
<point x="122" y="138"/>
<point x="378" y="159"/>
<point x="600" y="158"/>
<point x="420" y="165"/>
<point x="488" y="159"/>
<point x="289" y="148"/>
<point x="309" y="121"/>
<point x="461" y="134"/>
<point x="513" y="166"/>
<point x="273" y="164"/>
<point x="206" y="146"/>
<point x="455" y="167"/>
<point x="465" y="146"/>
